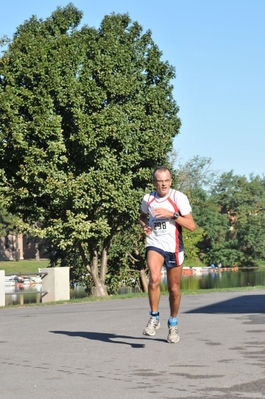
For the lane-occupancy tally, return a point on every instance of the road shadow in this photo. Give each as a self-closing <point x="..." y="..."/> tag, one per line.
<point x="242" y="304"/>
<point x="108" y="337"/>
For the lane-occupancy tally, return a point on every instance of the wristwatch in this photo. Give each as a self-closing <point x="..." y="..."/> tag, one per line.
<point x="175" y="215"/>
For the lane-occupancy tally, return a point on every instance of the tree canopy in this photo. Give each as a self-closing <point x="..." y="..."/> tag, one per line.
<point x="85" y="115"/>
<point x="229" y="209"/>
<point x="242" y="201"/>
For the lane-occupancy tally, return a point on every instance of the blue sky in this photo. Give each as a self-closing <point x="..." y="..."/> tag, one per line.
<point x="217" y="48"/>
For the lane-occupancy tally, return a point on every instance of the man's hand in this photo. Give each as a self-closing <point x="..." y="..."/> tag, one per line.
<point x="162" y="213"/>
<point x="147" y="230"/>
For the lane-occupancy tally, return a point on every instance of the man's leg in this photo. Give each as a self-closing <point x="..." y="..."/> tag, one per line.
<point x="155" y="262"/>
<point x="174" y="276"/>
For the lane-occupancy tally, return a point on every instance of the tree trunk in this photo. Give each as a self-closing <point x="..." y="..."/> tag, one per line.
<point x="37" y="251"/>
<point x="103" y="269"/>
<point x="99" y="288"/>
<point x="99" y="291"/>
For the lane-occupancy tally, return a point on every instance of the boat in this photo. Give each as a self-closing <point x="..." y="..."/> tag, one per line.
<point x="204" y="270"/>
<point x="9" y="281"/>
<point x="22" y="281"/>
<point x="188" y="271"/>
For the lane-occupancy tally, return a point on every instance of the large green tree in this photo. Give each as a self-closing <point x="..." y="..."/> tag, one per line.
<point x="230" y="210"/>
<point x="242" y="202"/>
<point x="85" y="114"/>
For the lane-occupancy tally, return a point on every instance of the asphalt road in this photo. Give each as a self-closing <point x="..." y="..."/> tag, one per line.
<point x="97" y="350"/>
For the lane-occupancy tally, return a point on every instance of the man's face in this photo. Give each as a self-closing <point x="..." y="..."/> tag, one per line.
<point x="162" y="182"/>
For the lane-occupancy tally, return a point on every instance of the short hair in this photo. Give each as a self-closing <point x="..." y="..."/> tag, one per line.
<point x="160" y="169"/>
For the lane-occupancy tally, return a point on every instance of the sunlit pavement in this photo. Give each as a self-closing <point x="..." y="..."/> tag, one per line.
<point x="96" y="350"/>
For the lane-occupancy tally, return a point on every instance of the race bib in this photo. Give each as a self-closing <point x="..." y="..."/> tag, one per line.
<point x="160" y="226"/>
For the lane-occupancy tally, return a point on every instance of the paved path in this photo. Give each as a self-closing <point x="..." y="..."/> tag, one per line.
<point x="96" y="350"/>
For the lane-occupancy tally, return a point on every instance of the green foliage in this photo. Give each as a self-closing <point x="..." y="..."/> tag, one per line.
<point x="80" y="111"/>
<point x="229" y="209"/>
<point x="191" y="240"/>
<point x="127" y="257"/>
<point x="233" y="219"/>
<point x="192" y="179"/>
<point x="243" y="203"/>
<point x="7" y="222"/>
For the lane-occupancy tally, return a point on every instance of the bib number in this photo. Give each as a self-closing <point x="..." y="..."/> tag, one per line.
<point x="160" y="226"/>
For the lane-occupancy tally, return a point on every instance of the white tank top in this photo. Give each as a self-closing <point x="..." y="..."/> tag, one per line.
<point x="166" y="233"/>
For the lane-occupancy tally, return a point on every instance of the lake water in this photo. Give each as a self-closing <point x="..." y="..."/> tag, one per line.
<point x="216" y="279"/>
<point x="224" y="279"/>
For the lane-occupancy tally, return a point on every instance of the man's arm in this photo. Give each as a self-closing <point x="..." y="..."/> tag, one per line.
<point x="143" y="220"/>
<point x="185" y="221"/>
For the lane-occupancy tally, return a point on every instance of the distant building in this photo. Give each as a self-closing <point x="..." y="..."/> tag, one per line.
<point x="17" y="247"/>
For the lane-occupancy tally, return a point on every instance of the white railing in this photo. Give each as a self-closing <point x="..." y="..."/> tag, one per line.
<point x="55" y="286"/>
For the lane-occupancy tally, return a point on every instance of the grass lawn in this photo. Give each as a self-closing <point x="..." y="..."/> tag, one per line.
<point x="23" y="266"/>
